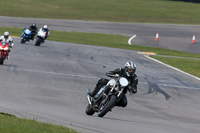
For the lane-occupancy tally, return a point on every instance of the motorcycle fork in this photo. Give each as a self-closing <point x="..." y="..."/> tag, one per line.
<point x="106" y="98"/>
<point x="120" y="92"/>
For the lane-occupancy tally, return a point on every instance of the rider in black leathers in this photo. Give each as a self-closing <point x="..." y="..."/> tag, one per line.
<point x="129" y="73"/>
<point x="33" y="28"/>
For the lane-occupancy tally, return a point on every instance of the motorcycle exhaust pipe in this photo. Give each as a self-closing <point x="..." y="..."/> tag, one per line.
<point x="88" y="98"/>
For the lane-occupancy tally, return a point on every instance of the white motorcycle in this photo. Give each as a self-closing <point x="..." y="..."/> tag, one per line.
<point x="108" y="96"/>
<point x="40" y="38"/>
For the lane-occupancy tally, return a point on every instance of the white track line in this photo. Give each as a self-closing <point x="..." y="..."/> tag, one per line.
<point x="53" y="73"/>
<point x="82" y="76"/>
<point x="172" y="67"/>
<point x="62" y="74"/>
<point x="129" y="41"/>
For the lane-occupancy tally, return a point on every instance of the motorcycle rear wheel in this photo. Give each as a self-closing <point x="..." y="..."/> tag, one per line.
<point x="89" y="110"/>
<point x="107" y="106"/>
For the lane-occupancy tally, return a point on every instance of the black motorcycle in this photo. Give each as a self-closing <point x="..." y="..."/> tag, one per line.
<point x="107" y="97"/>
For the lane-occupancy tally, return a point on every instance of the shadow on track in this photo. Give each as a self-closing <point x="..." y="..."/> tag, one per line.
<point x="154" y="88"/>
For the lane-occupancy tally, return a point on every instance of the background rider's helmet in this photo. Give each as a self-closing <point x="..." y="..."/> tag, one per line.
<point x="33" y="25"/>
<point x="130" y="68"/>
<point x="45" y="27"/>
<point x="6" y="34"/>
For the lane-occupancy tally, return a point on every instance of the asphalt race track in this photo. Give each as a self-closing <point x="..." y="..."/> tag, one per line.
<point x="48" y="83"/>
<point x="177" y="37"/>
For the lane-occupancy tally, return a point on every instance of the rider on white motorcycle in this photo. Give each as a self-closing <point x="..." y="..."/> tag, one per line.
<point x="129" y="73"/>
<point x="45" y="28"/>
<point x="7" y="39"/>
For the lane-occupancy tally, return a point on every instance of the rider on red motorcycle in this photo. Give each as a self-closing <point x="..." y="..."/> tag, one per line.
<point x="7" y="39"/>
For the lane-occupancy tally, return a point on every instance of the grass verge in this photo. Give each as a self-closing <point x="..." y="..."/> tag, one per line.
<point x="11" y="124"/>
<point x="145" y="11"/>
<point x="186" y="65"/>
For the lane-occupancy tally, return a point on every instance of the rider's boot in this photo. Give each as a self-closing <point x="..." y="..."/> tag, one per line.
<point x="94" y="92"/>
<point x="95" y="96"/>
<point x="99" y="95"/>
<point x="32" y="37"/>
<point x="8" y="57"/>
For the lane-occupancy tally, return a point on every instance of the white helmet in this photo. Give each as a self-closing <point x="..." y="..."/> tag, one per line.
<point x="130" y="68"/>
<point x="45" y="27"/>
<point x="6" y="34"/>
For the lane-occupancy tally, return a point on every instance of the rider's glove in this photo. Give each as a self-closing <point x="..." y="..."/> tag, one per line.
<point x="11" y="45"/>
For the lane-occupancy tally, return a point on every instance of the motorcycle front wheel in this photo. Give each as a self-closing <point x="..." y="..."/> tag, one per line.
<point x="1" y="59"/>
<point x="109" y="104"/>
<point x="37" y="43"/>
<point x="23" y="40"/>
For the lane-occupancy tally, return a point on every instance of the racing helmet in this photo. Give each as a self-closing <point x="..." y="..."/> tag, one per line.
<point x="33" y="25"/>
<point x="6" y="34"/>
<point x="130" y="68"/>
<point x="45" y="27"/>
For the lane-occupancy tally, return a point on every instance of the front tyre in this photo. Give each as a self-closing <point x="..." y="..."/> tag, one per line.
<point x="37" y="43"/>
<point x="89" y="110"/>
<point x="23" y="40"/>
<point x="1" y="59"/>
<point x="110" y="103"/>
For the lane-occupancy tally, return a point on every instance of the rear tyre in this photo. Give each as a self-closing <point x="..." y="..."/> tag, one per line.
<point x="107" y="106"/>
<point x="1" y="59"/>
<point x="89" y="110"/>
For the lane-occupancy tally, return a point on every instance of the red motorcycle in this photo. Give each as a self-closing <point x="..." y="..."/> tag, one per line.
<point x="4" y="48"/>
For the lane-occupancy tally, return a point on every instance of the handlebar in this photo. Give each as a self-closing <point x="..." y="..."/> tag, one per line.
<point x="112" y="75"/>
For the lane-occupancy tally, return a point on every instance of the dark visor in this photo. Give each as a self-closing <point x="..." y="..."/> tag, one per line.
<point x="131" y="70"/>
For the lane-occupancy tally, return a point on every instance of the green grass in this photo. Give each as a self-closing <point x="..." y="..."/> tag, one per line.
<point x="147" y="11"/>
<point x="187" y="65"/>
<point x="12" y="124"/>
